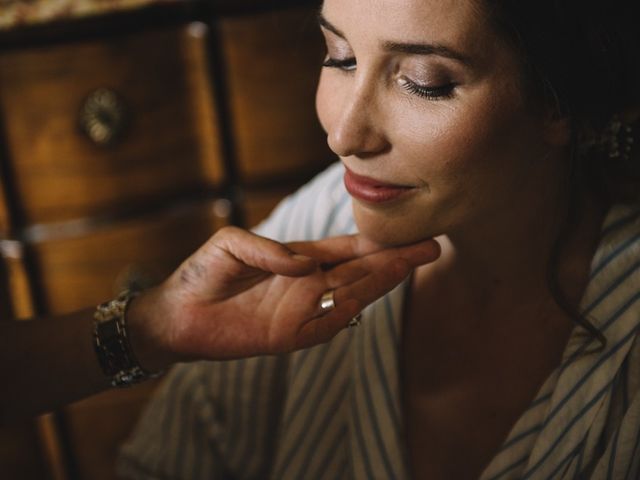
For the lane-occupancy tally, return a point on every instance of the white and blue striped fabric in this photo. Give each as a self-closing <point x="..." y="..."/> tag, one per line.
<point x="334" y="411"/>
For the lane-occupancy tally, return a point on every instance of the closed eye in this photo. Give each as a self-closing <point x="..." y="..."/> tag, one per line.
<point x="430" y="92"/>
<point x="346" y="64"/>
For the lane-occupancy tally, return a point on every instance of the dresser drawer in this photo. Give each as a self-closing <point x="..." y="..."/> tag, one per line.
<point x="5" y="223"/>
<point x="77" y="271"/>
<point x="273" y="62"/>
<point x="61" y="103"/>
<point x="84" y="270"/>
<point x="257" y="204"/>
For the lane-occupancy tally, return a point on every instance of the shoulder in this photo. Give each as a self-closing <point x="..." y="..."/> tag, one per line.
<point x="620" y="232"/>
<point x="613" y="291"/>
<point x="618" y="253"/>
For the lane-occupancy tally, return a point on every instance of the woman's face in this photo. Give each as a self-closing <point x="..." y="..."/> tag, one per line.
<point x="424" y="105"/>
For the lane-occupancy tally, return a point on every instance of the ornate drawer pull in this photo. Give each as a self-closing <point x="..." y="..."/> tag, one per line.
<point x="103" y="117"/>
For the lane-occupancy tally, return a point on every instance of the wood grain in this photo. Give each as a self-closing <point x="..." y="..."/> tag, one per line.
<point x="87" y="269"/>
<point x="79" y="271"/>
<point x="83" y="212"/>
<point x="4" y="213"/>
<point x="59" y="173"/>
<point x="273" y="61"/>
<point x="41" y="435"/>
<point x="6" y="306"/>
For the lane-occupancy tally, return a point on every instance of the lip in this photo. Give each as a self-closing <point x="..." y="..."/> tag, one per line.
<point x="371" y="190"/>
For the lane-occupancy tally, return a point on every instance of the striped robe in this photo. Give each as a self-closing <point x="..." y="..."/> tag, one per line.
<point x="334" y="411"/>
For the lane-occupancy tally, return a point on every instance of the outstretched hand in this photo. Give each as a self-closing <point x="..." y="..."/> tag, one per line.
<point x="242" y="295"/>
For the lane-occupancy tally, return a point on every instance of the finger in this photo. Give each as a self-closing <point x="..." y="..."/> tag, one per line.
<point x="349" y="272"/>
<point x="336" y="249"/>
<point x="263" y="253"/>
<point x="340" y="249"/>
<point x="324" y="328"/>
<point x="374" y="285"/>
<point x="350" y="300"/>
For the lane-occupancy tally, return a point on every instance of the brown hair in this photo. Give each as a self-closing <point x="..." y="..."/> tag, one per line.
<point x="581" y="58"/>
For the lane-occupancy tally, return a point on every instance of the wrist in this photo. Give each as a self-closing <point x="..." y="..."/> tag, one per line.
<point x="146" y="336"/>
<point x="111" y="341"/>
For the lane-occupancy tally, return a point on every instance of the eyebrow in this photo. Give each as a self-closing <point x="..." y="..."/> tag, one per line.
<point x="408" y="48"/>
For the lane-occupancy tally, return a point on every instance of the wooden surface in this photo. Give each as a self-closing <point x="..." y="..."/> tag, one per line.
<point x="84" y="270"/>
<point x="257" y="204"/>
<point x="35" y="15"/>
<point x="59" y="173"/>
<point x="20" y="454"/>
<point x="17" y="280"/>
<point x="4" y="214"/>
<point x="18" y="12"/>
<point x="6" y="309"/>
<point x="89" y="220"/>
<point x="272" y="65"/>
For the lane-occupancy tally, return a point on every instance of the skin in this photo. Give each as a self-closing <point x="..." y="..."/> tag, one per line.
<point x="465" y="154"/>
<point x="485" y="170"/>
<point x="242" y="295"/>
<point x="487" y="167"/>
<point x="239" y="295"/>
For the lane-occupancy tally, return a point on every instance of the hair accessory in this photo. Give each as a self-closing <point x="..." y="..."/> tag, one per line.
<point x="619" y="138"/>
<point x="327" y="301"/>
<point x="112" y="346"/>
<point x="615" y="140"/>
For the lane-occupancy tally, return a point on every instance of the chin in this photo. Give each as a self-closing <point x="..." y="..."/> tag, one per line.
<point x="389" y="232"/>
<point x="392" y="239"/>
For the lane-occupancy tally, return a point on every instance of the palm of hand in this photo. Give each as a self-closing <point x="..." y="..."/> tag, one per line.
<point x="250" y="311"/>
<point x="242" y="295"/>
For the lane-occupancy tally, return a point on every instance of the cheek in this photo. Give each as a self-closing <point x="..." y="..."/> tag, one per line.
<point x="324" y="102"/>
<point x="449" y="143"/>
<point x="435" y="144"/>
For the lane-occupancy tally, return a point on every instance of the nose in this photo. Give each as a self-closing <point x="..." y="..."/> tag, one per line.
<point x="357" y="127"/>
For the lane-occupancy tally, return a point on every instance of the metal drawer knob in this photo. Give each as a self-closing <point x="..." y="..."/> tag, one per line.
<point x="103" y="117"/>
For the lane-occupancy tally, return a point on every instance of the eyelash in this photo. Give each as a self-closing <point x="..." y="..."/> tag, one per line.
<point x="347" y="64"/>
<point x="432" y="93"/>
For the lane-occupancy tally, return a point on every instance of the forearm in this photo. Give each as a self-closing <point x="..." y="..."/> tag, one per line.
<point x="238" y="296"/>
<point x="48" y="363"/>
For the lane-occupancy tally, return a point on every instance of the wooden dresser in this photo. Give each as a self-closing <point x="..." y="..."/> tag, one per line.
<point x="125" y="141"/>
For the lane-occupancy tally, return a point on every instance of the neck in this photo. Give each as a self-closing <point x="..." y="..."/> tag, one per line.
<point x="506" y="256"/>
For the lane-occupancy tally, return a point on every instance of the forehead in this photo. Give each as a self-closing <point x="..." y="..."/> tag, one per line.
<point x="460" y="23"/>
